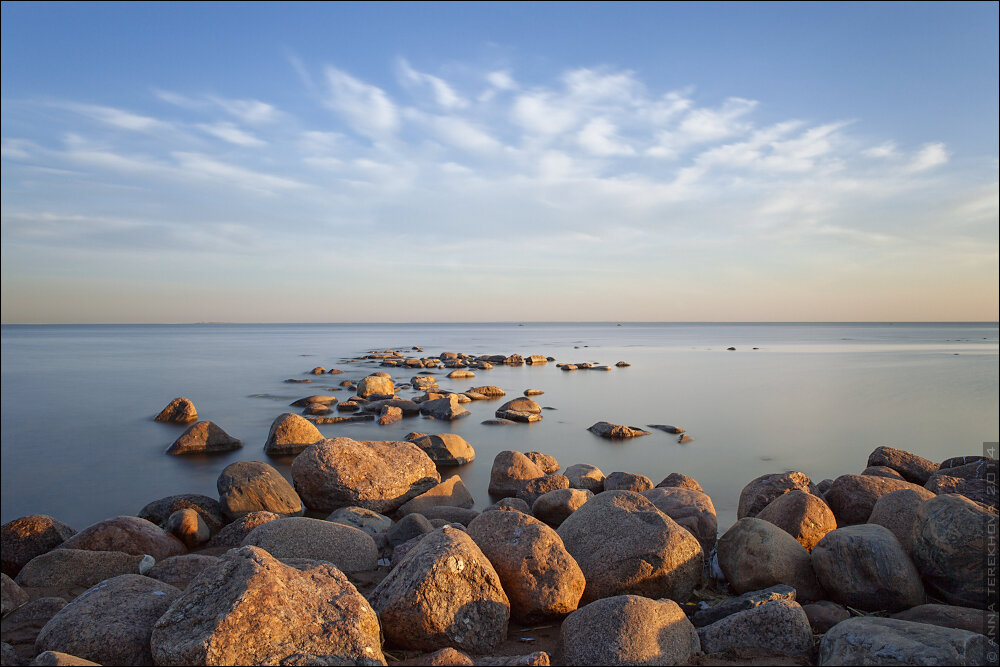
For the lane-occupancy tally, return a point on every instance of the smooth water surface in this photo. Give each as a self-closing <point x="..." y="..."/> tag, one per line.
<point x="79" y="442"/>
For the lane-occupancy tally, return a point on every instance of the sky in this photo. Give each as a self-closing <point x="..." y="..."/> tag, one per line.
<point x="407" y="162"/>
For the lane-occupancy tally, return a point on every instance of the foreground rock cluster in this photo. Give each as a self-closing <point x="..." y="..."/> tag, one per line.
<point x="372" y="554"/>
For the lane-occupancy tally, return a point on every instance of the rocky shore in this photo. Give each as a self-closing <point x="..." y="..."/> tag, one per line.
<point x="373" y="554"/>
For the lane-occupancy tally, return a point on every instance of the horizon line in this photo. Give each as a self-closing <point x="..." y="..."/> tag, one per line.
<point x="511" y="322"/>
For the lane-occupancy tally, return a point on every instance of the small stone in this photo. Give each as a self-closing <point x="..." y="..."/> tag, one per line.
<point x="824" y="614"/>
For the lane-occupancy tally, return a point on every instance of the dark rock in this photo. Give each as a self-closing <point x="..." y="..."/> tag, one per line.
<point x="779" y="626"/>
<point x="824" y="614"/>
<point x="691" y="509"/>
<point x="539" y="486"/>
<point x="179" y="571"/>
<point x="617" y="432"/>
<point x="555" y="506"/>
<point x="370" y="522"/>
<point x="179" y="411"/>
<point x="210" y="510"/>
<point x="870" y="640"/>
<point x="739" y="603"/>
<point x="254" y="486"/>
<point x="460" y="515"/>
<point x="759" y="493"/>
<point x="881" y="471"/>
<point x="188" y="526"/>
<point x="129" y="534"/>
<point x="350" y="549"/>
<point x="852" y="497"/>
<point x="675" y="430"/>
<point x="627" y="481"/>
<point x="446" y="449"/>
<point x="410" y="526"/>
<point x="756" y="554"/>
<point x="951" y="616"/>
<point x="204" y="438"/>
<point x="897" y="511"/>
<point x="585" y="476"/>
<point x="446" y="409"/>
<point x="75" y="570"/>
<point x="509" y="505"/>
<point x="21" y="626"/>
<point x="12" y="595"/>
<point x="520" y="410"/>
<point x="451" y="492"/>
<point x="315" y="398"/>
<point x="233" y="534"/>
<point x="913" y="468"/>
<point x="676" y="479"/>
<point x="29" y="536"/>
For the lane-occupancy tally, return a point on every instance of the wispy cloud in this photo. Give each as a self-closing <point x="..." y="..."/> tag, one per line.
<point x="231" y="133"/>
<point x="364" y="107"/>
<point x="930" y="156"/>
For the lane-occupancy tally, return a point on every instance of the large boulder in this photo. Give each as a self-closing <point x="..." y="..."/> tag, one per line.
<point x="378" y="384"/>
<point x="520" y="410"/>
<point x="627" y="481"/>
<point x="870" y="640"/>
<point x="913" y="468"/>
<point x="624" y="545"/>
<point x="950" y="616"/>
<point x="209" y="508"/>
<point x="802" y="515"/>
<point x="628" y="630"/>
<point x="585" y="476"/>
<point x="974" y="488"/>
<point x="447" y="408"/>
<point x="111" y="623"/>
<point x="949" y="544"/>
<point x="678" y="479"/>
<point x="535" y="488"/>
<point x="546" y="462"/>
<point x="452" y="492"/>
<point x="730" y="606"/>
<point x="755" y="554"/>
<point x="509" y="473"/>
<point x="538" y="575"/>
<point x="179" y="411"/>
<point x="68" y="572"/>
<point x="376" y="475"/>
<point x="204" y="438"/>
<point x="446" y="449"/>
<point x="443" y="593"/>
<point x="350" y="549"/>
<point x="852" y="497"/>
<point x="897" y="511"/>
<point x="617" y="432"/>
<point x="129" y="534"/>
<point x="760" y="492"/>
<point x="290" y="434"/>
<point x="865" y="567"/>
<point x="692" y="509"/>
<point x="254" y="486"/>
<point x="232" y="535"/>
<point x="29" y="536"/>
<point x="553" y="507"/>
<point x="179" y="571"/>
<point x="780" y="626"/>
<point x="251" y="609"/>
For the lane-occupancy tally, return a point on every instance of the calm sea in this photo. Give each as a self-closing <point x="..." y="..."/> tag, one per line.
<point x="79" y="442"/>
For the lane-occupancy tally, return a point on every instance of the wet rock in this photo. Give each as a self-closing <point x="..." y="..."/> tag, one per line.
<point x="370" y="522"/>
<point x="423" y="382"/>
<point x="951" y="616"/>
<point x="252" y="609"/>
<point x="756" y="554"/>
<point x="445" y="409"/>
<point x="740" y="603"/>
<point x="376" y="475"/>
<point x="188" y="526"/>
<point x="451" y="492"/>
<point x="203" y="438"/>
<point x="316" y="409"/>
<point x="29" y="536"/>
<point x="616" y="431"/>
<point x="321" y="399"/>
<point x="538" y="575"/>
<point x="555" y="506"/>
<point x="533" y="392"/>
<point x="667" y="428"/>
<point x="254" y="486"/>
<point x="498" y="422"/>
<point x="350" y="549"/>
<point x="881" y="471"/>
<point x="12" y="595"/>
<point x="536" y="359"/>
<point x="691" y="509"/>
<point x="489" y="391"/>
<point x="628" y="630"/>
<point x="779" y="626"/>
<point x="627" y="481"/>
<point x="852" y="497"/>
<point x="179" y="411"/>
<point x="585" y="476"/>
<point x="759" y="493"/>
<point x="520" y="410"/>
<point x="510" y="472"/>
<point x="110" y="623"/>
<point x="913" y="468"/>
<point x="459" y="374"/>
<point x="948" y="546"/>
<point x="865" y="567"/>
<point x="623" y="364"/>
<point x="802" y="515"/>
<point x="349" y="406"/>
<point x="232" y="535"/>
<point x="824" y="614"/>
<point x="870" y="640"/>
<point x="897" y="511"/>
<point x="568" y="367"/>
<point x="624" y="545"/>
<point x="376" y="384"/>
<point x="290" y="434"/>
<point x="680" y="480"/>
<point x="389" y="415"/>
<point x="22" y="625"/>
<point x="75" y="570"/>
<point x="209" y="508"/>
<point x="548" y="464"/>
<point x="514" y="360"/>
<point x="179" y="571"/>
<point x="443" y="593"/>
<point x="319" y="370"/>
<point x="129" y="534"/>
<point x="446" y="449"/>
<point x="539" y="486"/>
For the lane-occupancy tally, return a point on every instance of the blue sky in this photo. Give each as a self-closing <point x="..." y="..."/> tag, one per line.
<point x="492" y="161"/>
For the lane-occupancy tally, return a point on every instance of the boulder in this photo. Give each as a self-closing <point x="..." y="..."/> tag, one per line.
<point x="509" y="473"/>
<point x="290" y="434"/>
<point x="802" y="515"/>
<point x="824" y="614"/>
<point x="251" y="609"/>
<point x="459" y="374"/>
<point x="254" y="486"/>
<point x="980" y="468"/>
<point x="29" y="536"/>
<point x="949" y="541"/>
<point x="210" y="509"/>
<point x="536" y="359"/>
<point x="446" y="409"/>
<point x="188" y="526"/>
<point x="628" y="630"/>
<point x="870" y="640"/>
<point x="21" y="626"/>
<point x="979" y="490"/>
<point x="865" y="567"/>
<point x="232" y="535"/>
<point x="691" y="509"/>
<point x="852" y="497"/>
<point x="320" y="399"/>
<point x="881" y="471"/>
<point x="179" y="571"/>
<point x="12" y="595"/>
<point x="755" y="554"/>
<point x="533" y="489"/>
<point x="8" y="656"/>
<point x="913" y="468"/>
<point x="203" y="438"/>
<point x="376" y="384"/>
<point x="667" y="428"/>
<point x="520" y="410"/>
<point x="489" y="391"/>
<point x="509" y="505"/>
<point x="407" y="528"/>
<point x="760" y="492"/>
<point x="627" y="481"/>
<point x="730" y="606"/>
<point x="423" y="382"/>
<point x="555" y="506"/>
<point x="179" y="411"/>
<point x="450" y="514"/>
<point x="585" y="476"/>
<point x="951" y="616"/>
<point x="452" y="492"/>
<point x="389" y="415"/>
<point x="617" y="432"/>
<point x="624" y="545"/>
<point x="680" y="480"/>
<point x="350" y="549"/>
<point x="897" y="511"/>
<point x="446" y="449"/>
<point x="538" y="575"/>
<point x="443" y="593"/>
<point x="129" y="534"/>
<point x="71" y="571"/>
<point x="370" y="522"/>
<point x="443" y="657"/>
<point x="376" y="475"/>
<point x="111" y="623"/>
<point x="780" y="626"/>
<point x="548" y="464"/>
<point x="532" y="392"/>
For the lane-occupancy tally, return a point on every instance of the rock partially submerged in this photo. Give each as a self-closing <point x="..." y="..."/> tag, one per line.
<point x="520" y="410"/>
<point x="616" y="431"/>
<point x="179" y="411"/>
<point x="290" y="434"/>
<point x="204" y="438"/>
<point x="446" y="449"/>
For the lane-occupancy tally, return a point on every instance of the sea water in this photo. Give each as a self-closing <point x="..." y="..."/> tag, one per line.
<point x="79" y="441"/>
